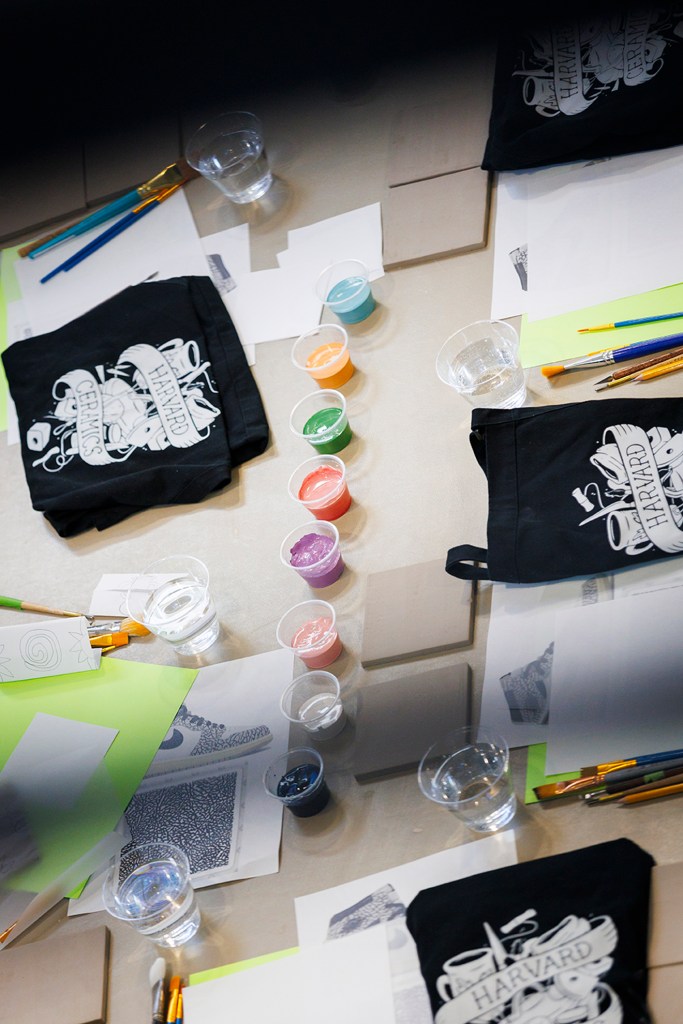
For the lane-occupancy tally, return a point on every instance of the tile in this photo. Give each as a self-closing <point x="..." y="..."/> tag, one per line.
<point x="438" y="217"/>
<point x="415" y="610"/>
<point x="398" y="720"/>
<point x="38" y="190"/>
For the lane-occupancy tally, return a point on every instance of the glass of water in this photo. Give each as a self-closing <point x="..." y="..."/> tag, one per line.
<point x="468" y="772"/>
<point x="149" y="887"/>
<point x="229" y="152"/>
<point x="171" y="598"/>
<point x="481" y="362"/>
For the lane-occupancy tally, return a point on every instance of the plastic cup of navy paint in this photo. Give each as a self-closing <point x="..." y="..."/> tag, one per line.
<point x="313" y="551"/>
<point x="308" y="631"/>
<point x="344" y="288"/>
<point x="319" y="484"/>
<point x="297" y="779"/>
<point x="320" y="418"/>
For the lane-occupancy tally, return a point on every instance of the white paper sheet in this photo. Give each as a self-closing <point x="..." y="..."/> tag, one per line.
<point x="603" y="230"/>
<point x="272" y="304"/>
<point x="109" y="595"/>
<point x="518" y="680"/>
<point x="55" y="759"/>
<point x="314" y="912"/>
<point x="510" y="252"/>
<point x="224" y="766"/>
<point x="617" y="673"/>
<point x="50" y="647"/>
<point x="356" y="235"/>
<point x="339" y="982"/>
<point x="164" y="243"/>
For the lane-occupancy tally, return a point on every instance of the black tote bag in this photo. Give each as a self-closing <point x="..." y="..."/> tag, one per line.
<point x="576" y="489"/>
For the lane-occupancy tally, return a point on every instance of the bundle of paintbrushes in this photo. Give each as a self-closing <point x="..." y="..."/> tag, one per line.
<point x="630" y="781"/>
<point x="106" y="635"/>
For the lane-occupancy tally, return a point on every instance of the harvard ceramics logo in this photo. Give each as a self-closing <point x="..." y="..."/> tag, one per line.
<point x="151" y="399"/>
<point x="642" y="501"/>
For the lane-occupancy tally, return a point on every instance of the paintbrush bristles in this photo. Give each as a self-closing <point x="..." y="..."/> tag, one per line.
<point x="551" y="371"/>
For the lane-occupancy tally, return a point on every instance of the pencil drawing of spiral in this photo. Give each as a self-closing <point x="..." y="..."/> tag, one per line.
<point x="40" y="649"/>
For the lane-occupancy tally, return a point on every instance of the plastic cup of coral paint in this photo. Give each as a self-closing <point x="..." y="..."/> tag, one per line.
<point x="324" y="354"/>
<point x="320" y="418"/>
<point x="344" y="288"/>
<point x="308" y="630"/>
<point x="313" y="551"/>
<point x="313" y="701"/>
<point x="319" y="484"/>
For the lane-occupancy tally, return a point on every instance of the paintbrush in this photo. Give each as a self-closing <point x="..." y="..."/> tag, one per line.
<point x="615" y="791"/>
<point x="175" y="174"/>
<point x="551" y="790"/>
<point x="630" y="762"/>
<point x="616" y="355"/>
<point x="653" y="794"/>
<point x="630" y="372"/>
<point x="126" y="625"/>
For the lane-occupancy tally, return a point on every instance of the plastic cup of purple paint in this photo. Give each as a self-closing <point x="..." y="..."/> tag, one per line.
<point x="313" y="552"/>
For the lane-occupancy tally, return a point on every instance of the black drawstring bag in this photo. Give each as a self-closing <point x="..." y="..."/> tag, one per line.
<point x="561" y="939"/>
<point x="576" y="489"/>
<point x="145" y="400"/>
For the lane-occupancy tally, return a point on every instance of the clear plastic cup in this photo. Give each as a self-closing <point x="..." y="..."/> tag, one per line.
<point x="481" y="362"/>
<point x="324" y="354"/>
<point x="308" y="630"/>
<point x="320" y="418"/>
<point x="229" y="152"/>
<point x="149" y="886"/>
<point x="319" y="484"/>
<point x="345" y="290"/>
<point x="313" y="552"/>
<point x="297" y="779"/>
<point x="171" y="598"/>
<point x="468" y="772"/>
<point x="313" y="701"/>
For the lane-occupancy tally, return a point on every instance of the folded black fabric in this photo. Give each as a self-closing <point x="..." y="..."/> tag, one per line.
<point x="145" y="400"/>
<point x="575" y="84"/>
<point x="560" y="939"/>
<point x="577" y="489"/>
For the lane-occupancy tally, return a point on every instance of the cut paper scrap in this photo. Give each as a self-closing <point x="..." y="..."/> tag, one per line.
<point x="241" y="965"/>
<point x="557" y="338"/>
<point x="270" y="305"/>
<point x="535" y="772"/>
<point x="354" y="235"/>
<point x="47" y="648"/>
<point x="55" y="759"/>
<point x="348" y="979"/>
<point x="140" y="701"/>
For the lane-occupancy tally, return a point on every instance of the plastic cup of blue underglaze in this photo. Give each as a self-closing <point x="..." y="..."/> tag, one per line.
<point x="344" y="288"/>
<point x="297" y="780"/>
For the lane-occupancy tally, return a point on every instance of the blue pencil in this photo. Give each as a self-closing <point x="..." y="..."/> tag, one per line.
<point x="116" y="229"/>
<point x="629" y="323"/>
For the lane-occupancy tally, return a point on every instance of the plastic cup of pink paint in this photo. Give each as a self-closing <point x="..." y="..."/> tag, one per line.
<point x="313" y="552"/>
<point x="308" y="631"/>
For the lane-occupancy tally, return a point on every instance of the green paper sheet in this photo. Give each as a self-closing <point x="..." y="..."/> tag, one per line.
<point x="241" y="965"/>
<point x="9" y="292"/>
<point x="139" y="700"/>
<point x="556" y="338"/>
<point x="535" y="772"/>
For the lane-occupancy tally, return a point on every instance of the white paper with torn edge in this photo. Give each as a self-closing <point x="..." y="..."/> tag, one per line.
<point x="47" y="648"/>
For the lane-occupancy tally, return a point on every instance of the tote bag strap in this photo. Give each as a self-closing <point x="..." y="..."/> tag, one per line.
<point x="458" y="559"/>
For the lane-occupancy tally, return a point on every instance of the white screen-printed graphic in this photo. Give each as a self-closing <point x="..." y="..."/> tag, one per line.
<point x="523" y="977"/>
<point x="640" y="495"/>
<point x="152" y="398"/>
